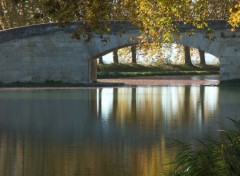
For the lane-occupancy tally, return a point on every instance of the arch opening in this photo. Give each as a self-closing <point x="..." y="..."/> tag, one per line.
<point x="168" y="66"/>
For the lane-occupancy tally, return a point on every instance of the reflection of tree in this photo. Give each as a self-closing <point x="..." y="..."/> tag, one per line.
<point x="93" y="103"/>
<point x="136" y="147"/>
<point x="202" y="100"/>
<point x="147" y="107"/>
<point x="99" y="102"/>
<point x="134" y="103"/>
<point x="187" y="105"/>
<point x="115" y="102"/>
<point x="21" y="155"/>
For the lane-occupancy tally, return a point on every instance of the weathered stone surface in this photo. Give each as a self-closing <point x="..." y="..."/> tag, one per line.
<point x="47" y="52"/>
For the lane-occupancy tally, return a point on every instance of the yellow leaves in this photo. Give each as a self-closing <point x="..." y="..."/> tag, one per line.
<point x="153" y="17"/>
<point x="234" y="19"/>
<point x="131" y="39"/>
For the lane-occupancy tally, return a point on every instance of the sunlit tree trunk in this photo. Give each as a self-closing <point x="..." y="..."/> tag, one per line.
<point x="202" y="57"/>
<point x="101" y="60"/>
<point x="115" y="57"/>
<point x="134" y="54"/>
<point x="188" y="60"/>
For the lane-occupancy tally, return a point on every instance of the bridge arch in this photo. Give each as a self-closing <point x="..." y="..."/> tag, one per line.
<point x="113" y="49"/>
<point x="197" y="42"/>
<point x="46" y="52"/>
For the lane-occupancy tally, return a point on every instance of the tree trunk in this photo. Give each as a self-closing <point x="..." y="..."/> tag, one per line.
<point x="1" y="10"/>
<point x="100" y="60"/>
<point x="188" y="60"/>
<point x="134" y="54"/>
<point x="24" y="12"/>
<point x="202" y="57"/>
<point x="115" y="57"/>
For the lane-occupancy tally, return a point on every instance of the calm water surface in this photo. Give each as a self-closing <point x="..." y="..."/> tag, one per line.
<point x="107" y="131"/>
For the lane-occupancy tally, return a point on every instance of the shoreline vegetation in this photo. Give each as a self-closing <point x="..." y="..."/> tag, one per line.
<point x="214" y="157"/>
<point x="134" y="70"/>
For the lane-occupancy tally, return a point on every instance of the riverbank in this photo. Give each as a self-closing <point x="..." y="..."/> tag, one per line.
<point x="119" y="75"/>
<point x="136" y="70"/>
<point x="178" y="80"/>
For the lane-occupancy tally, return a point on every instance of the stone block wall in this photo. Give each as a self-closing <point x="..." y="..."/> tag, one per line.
<point x="42" y="54"/>
<point x="44" y="58"/>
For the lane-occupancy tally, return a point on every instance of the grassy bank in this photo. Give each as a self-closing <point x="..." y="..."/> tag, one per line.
<point x="102" y="75"/>
<point x="132" y="70"/>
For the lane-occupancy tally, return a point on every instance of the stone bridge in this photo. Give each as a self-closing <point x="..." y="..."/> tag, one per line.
<point x="47" y="52"/>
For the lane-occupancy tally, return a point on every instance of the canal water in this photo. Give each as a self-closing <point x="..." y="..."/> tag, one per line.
<point x="107" y="131"/>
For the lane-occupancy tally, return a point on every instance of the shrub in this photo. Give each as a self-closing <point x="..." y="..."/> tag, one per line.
<point x="220" y="158"/>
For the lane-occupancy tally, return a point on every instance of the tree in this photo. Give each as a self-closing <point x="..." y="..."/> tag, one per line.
<point x="115" y="57"/>
<point x="234" y="19"/>
<point x="125" y="55"/>
<point x="134" y="54"/>
<point x="15" y="13"/>
<point x="188" y="60"/>
<point x="202" y="57"/>
<point x="153" y="17"/>
<point x="101" y="60"/>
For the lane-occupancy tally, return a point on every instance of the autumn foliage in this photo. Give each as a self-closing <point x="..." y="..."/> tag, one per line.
<point x="153" y="17"/>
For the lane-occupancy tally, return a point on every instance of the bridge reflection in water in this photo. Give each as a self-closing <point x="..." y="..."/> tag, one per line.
<point x="108" y="131"/>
